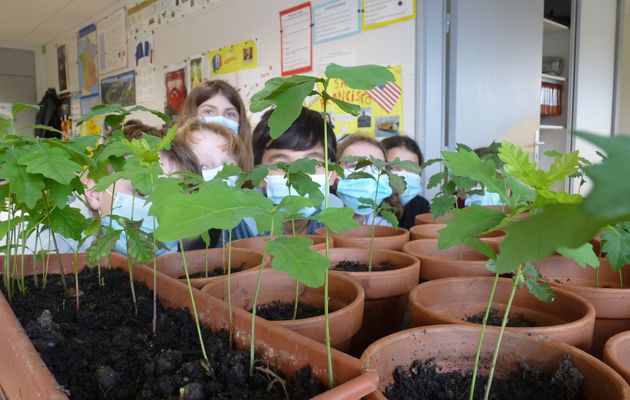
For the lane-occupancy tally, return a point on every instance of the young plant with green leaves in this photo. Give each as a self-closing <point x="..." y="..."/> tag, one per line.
<point x="287" y="96"/>
<point x="522" y="187"/>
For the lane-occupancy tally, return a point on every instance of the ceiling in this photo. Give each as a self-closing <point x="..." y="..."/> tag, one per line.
<point x="27" y="23"/>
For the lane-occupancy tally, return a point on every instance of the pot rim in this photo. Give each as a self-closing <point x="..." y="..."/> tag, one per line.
<point x="430" y="258"/>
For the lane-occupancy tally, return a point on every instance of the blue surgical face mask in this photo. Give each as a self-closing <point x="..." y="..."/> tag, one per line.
<point x="351" y="190"/>
<point x="221" y="120"/>
<point x="277" y="190"/>
<point x="485" y="199"/>
<point x="414" y="186"/>
<point x="210" y="174"/>
<point x="123" y="205"/>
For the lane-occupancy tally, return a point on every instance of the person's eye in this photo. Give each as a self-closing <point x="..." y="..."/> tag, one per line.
<point x="232" y="115"/>
<point x="207" y="111"/>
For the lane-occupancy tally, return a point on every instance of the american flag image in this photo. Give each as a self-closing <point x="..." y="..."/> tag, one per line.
<point x="386" y="95"/>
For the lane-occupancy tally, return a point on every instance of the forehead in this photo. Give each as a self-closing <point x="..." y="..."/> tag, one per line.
<point x="217" y="101"/>
<point x="288" y="155"/>
<point x="204" y="137"/>
<point x="363" y="149"/>
<point x="402" y="153"/>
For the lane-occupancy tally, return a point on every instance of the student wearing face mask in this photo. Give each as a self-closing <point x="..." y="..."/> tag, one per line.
<point x="218" y="102"/>
<point x="406" y="149"/>
<point x="303" y="139"/>
<point x="350" y="191"/>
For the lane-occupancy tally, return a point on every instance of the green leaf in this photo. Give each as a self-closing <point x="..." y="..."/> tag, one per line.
<point x="363" y="77"/>
<point x="306" y="165"/>
<point x="538" y="236"/>
<point x="436" y="179"/>
<point x="255" y="176"/>
<point x="468" y="223"/>
<point x="16" y="108"/>
<point x="104" y="109"/>
<point x="159" y="114"/>
<point x="405" y="165"/>
<point x="390" y="217"/>
<point x="139" y="246"/>
<point x="337" y="219"/>
<point x="107" y="181"/>
<point x="616" y="246"/>
<point x="521" y="194"/>
<point x="288" y="108"/>
<point x="442" y="204"/>
<point x="352" y="109"/>
<point x="67" y="221"/>
<point x="274" y="87"/>
<point x="294" y="256"/>
<point x="564" y="166"/>
<point x="583" y="255"/>
<point x="291" y="205"/>
<point x="27" y="187"/>
<point x="540" y="290"/>
<point x="518" y="164"/>
<point x="103" y="245"/>
<point x="397" y="182"/>
<point x="58" y="194"/>
<point x="468" y="165"/>
<point x="4" y="229"/>
<point x="52" y="162"/>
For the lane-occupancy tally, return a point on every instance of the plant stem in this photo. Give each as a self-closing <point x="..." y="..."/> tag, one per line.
<point x="129" y="264"/>
<point x="255" y="304"/>
<point x="75" y="261"/>
<point x="495" y="356"/>
<point x="373" y="227"/>
<point x="229" y="288"/>
<point x="331" y="380"/>
<point x="620" y="280"/>
<point x="6" y="276"/>
<point x="194" y="305"/>
<point x="205" y="256"/>
<point x="297" y="284"/>
<point x="22" y="281"/>
<point x="37" y="233"/>
<point x="47" y="264"/>
<point x="484" y="324"/>
<point x="54" y="238"/>
<point x="154" y="322"/>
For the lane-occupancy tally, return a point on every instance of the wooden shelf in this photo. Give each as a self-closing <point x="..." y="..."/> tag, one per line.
<point x="553" y="78"/>
<point x="550" y="26"/>
<point x="553" y="127"/>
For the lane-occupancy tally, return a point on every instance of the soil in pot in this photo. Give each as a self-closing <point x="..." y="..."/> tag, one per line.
<point x="281" y="311"/>
<point x="426" y="381"/>
<point x="103" y="351"/>
<point x="214" y="271"/>
<point x="495" y="318"/>
<point x="353" y="266"/>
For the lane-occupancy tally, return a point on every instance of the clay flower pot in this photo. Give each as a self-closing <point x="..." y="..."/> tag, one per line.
<point x="258" y="242"/>
<point x="385" y="291"/>
<point x="454" y="346"/>
<point x="385" y="237"/>
<point x="23" y="374"/>
<point x="173" y="265"/>
<point x="432" y="231"/>
<point x="346" y="302"/>
<point x="569" y="318"/>
<point x="612" y="304"/>
<point x="427" y="218"/>
<point x="456" y="261"/>
<point x="617" y="354"/>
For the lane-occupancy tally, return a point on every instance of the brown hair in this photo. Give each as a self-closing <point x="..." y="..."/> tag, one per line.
<point x="349" y="140"/>
<point x="207" y="90"/>
<point x="181" y="155"/>
<point x="234" y="144"/>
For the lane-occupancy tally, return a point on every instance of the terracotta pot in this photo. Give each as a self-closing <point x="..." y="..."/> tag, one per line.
<point x="612" y="304"/>
<point x="427" y="218"/>
<point x="456" y="261"/>
<point x="173" y="265"/>
<point x="569" y="318"/>
<point x="258" y="242"/>
<point x="454" y="346"/>
<point x="431" y="231"/>
<point x="385" y="237"/>
<point x="617" y="354"/>
<point x="346" y="302"/>
<point x="385" y="291"/>
<point x="23" y="374"/>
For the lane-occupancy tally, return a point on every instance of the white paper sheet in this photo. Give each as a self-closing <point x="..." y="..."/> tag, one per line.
<point x="378" y="12"/>
<point x="336" y="19"/>
<point x="297" y="46"/>
<point x="112" y="41"/>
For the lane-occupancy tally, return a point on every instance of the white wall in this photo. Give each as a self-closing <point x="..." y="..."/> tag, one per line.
<point x="17" y="83"/>
<point x="623" y="112"/>
<point x="236" y="20"/>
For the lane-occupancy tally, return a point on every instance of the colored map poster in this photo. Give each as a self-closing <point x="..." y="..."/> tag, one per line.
<point x="234" y="57"/>
<point x="381" y="108"/>
<point x="88" y="60"/>
<point x="93" y="126"/>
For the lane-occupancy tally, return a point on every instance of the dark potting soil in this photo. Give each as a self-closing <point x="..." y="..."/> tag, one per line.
<point x="279" y="311"/>
<point x="214" y="271"/>
<point x="425" y="381"/>
<point x="495" y="318"/>
<point x="352" y="266"/>
<point x="103" y="351"/>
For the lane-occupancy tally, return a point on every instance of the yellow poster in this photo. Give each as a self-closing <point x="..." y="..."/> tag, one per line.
<point x="381" y="108"/>
<point x="378" y="13"/>
<point x="232" y="58"/>
<point x="93" y="126"/>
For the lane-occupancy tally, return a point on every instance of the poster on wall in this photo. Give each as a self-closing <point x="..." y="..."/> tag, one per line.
<point x="336" y="19"/>
<point x="65" y="115"/>
<point x="233" y="57"/>
<point x="176" y="92"/>
<point x="87" y="50"/>
<point x="119" y="89"/>
<point x="197" y="70"/>
<point x="62" y="67"/>
<point x="112" y="42"/>
<point x="250" y="81"/>
<point x="381" y="108"/>
<point x="296" y="42"/>
<point x="94" y="126"/>
<point x="138" y="17"/>
<point x="145" y="68"/>
<point x="377" y="13"/>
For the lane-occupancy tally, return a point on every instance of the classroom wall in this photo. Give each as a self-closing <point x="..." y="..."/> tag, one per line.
<point x="230" y="21"/>
<point x="17" y="82"/>
<point x="623" y="112"/>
